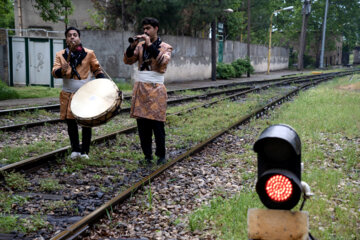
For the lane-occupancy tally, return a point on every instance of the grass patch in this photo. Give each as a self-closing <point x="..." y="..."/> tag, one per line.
<point x="14" y="154"/>
<point x="225" y="216"/>
<point x="36" y="91"/>
<point x="11" y="223"/>
<point x="49" y="185"/>
<point x="7" y="202"/>
<point x="16" y="181"/>
<point x="190" y="128"/>
<point x="327" y="120"/>
<point x="63" y="205"/>
<point x="124" y="86"/>
<point x="7" y="92"/>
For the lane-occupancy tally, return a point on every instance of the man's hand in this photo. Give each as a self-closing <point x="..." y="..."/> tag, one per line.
<point x="64" y="68"/>
<point x="146" y="38"/>
<point x="134" y="43"/>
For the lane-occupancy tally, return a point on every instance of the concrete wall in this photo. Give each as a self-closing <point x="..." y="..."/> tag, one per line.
<point x="31" y="17"/>
<point x="191" y="57"/>
<point x="259" y="53"/>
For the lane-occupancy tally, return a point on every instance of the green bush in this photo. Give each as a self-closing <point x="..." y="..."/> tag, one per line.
<point x="6" y="92"/>
<point x="225" y="71"/>
<point x="293" y="57"/>
<point x="242" y="66"/>
<point x="309" y="61"/>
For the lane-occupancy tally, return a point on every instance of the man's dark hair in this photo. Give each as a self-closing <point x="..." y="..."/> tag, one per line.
<point x="72" y="28"/>
<point x="150" y="21"/>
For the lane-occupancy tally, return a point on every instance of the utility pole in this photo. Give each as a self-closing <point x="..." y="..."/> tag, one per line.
<point x="306" y="12"/>
<point x="248" y="34"/>
<point x="20" y="17"/>
<point x="213" y="50"/>
<point x="323" y="36"/>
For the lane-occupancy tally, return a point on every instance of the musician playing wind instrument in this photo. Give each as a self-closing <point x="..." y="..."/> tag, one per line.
<point x="75" y="65"/>
<point x="149" y="95"/>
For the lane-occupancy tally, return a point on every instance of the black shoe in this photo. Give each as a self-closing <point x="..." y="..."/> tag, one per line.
<point x="161" y="160"/>
<point x="148" y="161"/>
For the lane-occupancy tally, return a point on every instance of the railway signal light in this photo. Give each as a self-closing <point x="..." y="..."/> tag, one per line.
<point x="279" y="167"/>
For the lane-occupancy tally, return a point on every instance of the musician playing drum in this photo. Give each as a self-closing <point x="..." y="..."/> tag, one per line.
<point x="149" y="95"/>
<point x="75" y="65"/>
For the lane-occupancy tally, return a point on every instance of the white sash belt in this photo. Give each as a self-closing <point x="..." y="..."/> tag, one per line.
<point x="72" y="85"/>
<point x="149" y="77"/>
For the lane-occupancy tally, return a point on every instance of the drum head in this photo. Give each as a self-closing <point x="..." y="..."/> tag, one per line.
<point x="94" y="99"/>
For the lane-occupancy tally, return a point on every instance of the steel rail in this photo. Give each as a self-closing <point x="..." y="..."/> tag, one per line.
<point x="77" y="228"/>
<point x="16" y="127"/>
<point x="51" y="156"/>
<point x="124" y="110"/>
<point x="57" y="106"/>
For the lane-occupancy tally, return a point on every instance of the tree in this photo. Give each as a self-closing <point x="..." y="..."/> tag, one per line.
<point x="52" y="10"/>
<point x="7" y="13"/>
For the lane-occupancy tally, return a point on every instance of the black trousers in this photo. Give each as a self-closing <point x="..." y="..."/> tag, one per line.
<point x="146" y="127"/>
<point x="74" y="137"/>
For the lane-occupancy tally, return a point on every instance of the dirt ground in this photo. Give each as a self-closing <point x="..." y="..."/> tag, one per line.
<point x="351" y="87"/>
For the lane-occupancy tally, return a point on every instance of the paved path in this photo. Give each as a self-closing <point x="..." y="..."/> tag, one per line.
<point x="16" y="103"/>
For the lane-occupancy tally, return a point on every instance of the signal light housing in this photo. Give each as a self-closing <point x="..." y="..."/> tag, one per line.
<point x="279" y="167"/>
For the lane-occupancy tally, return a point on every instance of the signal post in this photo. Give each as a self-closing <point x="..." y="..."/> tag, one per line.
<point x="279" y="187"/>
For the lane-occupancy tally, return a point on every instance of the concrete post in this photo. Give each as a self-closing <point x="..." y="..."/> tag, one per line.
<point x="4" y="56"/>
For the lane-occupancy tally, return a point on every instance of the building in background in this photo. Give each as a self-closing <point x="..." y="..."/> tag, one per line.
<point x="27" y="16"/>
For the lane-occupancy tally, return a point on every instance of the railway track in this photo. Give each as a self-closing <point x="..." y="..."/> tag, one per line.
<point x="60" y="152"/>
<point x="79" y="226"/>
<point x="82" y="225"/>
<point x="172" y="100"/>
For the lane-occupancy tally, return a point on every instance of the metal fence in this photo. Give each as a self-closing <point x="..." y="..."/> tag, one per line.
<point x="31" y="58"/>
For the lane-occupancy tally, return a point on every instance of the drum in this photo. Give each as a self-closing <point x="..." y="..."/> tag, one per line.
<point x="96" y="102"/>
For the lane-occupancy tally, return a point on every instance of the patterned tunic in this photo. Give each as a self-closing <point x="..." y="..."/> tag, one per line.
<point x="89" y="65"/>
<point x="149" y="99"/>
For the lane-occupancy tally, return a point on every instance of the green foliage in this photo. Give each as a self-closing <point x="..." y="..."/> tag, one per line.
<point x="7" y="92"/>
<point x="309" y="61"/>
<point x="293" y="57"/>
<point x="7" y="14"/>
<point x="123" y="86"/>
<point x="225" y="71"/>
<point x="98" y="21"/>
<point x="226" y="216"/>
<point x="15" y="223"/>
<point x="49" y="185"/>
<point x="16" y="181"/>
<point x="52" y="10"/>
<point x="8" y="223"/>
<point x="37" y="92"/>
<point x="8" y="200"/>
<point x="242" y="66"/>
<point x="235" y="69"/>
<point x="176" y="16"/>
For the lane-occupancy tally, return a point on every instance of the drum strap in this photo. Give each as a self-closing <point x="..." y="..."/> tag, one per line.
<point x="72" y="85"/>
<point x="149" y="77"/>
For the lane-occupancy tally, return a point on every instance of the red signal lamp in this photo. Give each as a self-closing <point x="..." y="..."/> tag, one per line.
<point x="279" y="188"/>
